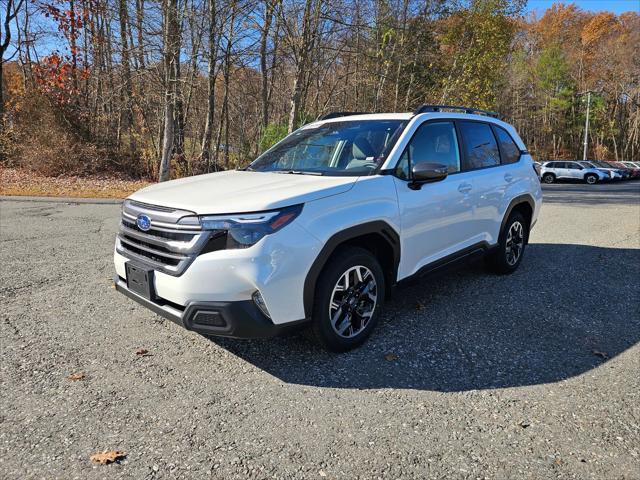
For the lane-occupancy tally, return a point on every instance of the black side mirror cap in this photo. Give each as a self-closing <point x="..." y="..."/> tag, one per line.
<point x="427" y="172"/>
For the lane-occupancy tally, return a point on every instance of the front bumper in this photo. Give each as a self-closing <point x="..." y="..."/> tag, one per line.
<point x="238" y="319"/>
<point x="276" y="267"/>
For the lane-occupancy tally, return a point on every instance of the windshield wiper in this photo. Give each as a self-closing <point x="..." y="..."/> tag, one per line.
<point x="298" y="172"/>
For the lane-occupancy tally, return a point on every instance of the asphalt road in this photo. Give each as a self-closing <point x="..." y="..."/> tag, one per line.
<point x="535" y="375"/>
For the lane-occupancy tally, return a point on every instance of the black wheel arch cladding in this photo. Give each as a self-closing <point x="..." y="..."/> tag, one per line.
<point x="525" y="204"/>
<point x="380" y="228"/>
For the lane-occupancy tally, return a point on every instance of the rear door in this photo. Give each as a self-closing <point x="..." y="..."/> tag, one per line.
<point x="491" y="177"/>
<point x="574" y="170"/>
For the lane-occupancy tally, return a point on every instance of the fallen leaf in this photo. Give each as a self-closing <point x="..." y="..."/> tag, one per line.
<point x="391" y="357"/>
<point x="420" y="306"/>
<point x="27" y="182"/>
<point x="108" y="456"/>
<point x="76" y="376"/>
<point x="322" y="473"/>
<point x="602" y="355"/>
<point x="141" y="352"/>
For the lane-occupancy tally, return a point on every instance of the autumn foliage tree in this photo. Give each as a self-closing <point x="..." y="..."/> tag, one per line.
<point x="176" y="87"/>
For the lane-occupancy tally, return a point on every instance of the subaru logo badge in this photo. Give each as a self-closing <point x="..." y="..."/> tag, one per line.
<point x="143" y="222"/>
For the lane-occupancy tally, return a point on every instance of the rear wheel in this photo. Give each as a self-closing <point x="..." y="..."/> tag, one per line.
<point x="349" y="295"/>
<point x="591" y="178"/>
<point x="508" y="255"/>
<point x="548" y="178"/>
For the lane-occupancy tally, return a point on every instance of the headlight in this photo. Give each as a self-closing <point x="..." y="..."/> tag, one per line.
<point x="246" y="229"/>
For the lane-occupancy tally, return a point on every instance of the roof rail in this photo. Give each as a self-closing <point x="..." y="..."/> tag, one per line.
<point x="330" y="115"/>
<point x="438" y="108"/>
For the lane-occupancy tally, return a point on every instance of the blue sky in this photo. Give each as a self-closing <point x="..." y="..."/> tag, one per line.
<point x="615" y="6"/>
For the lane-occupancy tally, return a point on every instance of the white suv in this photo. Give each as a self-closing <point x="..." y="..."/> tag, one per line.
<point x="319" y="228"/>
<point x="552" y="171"/>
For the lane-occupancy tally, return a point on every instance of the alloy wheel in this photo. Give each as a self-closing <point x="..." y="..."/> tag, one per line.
<point x="353" y="301"/>
<point x="515" y="243"/>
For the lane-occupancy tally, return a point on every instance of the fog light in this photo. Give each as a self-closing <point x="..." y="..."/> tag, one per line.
<point x="259" y="301"/>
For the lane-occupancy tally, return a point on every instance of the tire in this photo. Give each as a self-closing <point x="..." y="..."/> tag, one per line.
<point x="502" y="261"/>
<point x="548" y="178"/>
<point x="591" y="179"/>
<point x="350" y="327"/>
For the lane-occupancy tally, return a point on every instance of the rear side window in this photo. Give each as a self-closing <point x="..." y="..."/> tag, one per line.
<point x="479" y="145"/>
<point x="510" y="151"/>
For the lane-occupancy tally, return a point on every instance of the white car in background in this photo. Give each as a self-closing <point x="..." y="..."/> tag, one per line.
<point x="615" y="173"/>
<point x="569" y="170"/>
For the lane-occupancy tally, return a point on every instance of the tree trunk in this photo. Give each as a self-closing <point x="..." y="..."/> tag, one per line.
<point x="171" y="53"/>
<point x="140" y="33"/>
<point x="211" y="87"/>
<point x="127" y="92"/>
<point x="309" y="31"/>
<point x="264" y="36"/>
<point x="5" y="38"/>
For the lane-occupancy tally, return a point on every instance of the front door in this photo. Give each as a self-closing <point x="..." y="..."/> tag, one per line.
<point x="437" y="218"/>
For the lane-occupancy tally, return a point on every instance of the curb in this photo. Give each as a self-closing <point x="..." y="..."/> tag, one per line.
<point x="68" y="200"/>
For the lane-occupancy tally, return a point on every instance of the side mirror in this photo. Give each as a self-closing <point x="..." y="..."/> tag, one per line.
<point x="427" y="172"/>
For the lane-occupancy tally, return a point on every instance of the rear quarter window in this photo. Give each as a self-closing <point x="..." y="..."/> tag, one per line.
<point x="509" y="149"/>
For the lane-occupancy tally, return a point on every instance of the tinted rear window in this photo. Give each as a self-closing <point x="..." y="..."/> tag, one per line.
<point x="510" y="151"/>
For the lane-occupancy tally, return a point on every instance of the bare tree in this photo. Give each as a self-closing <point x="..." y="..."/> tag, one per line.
<point x="302" y="44"/>
<point x="171" y="45"/>
<point x="126" y="115"/>
<point x="11" y="10"/>
<point x="211" y="84"/>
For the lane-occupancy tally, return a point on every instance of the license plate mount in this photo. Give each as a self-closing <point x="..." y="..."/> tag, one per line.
<point x="140" y="280"/>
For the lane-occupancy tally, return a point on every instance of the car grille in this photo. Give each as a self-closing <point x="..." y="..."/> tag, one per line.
<point x="171" y="243"/>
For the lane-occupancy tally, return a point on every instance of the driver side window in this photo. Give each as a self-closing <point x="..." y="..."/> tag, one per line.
<point x="433" y="142"/>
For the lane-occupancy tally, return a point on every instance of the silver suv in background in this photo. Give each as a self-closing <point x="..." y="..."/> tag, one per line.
<point x="615" y="173"/>
<point x="552" y="171"/>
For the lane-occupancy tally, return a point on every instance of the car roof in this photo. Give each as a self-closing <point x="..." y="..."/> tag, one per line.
<point x="409" y="116"/>
<point x="413" y="118"/>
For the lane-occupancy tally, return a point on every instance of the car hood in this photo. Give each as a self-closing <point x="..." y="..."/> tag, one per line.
<point x="241" y="191"/>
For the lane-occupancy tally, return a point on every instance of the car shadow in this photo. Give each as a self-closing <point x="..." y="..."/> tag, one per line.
<point x="567" y="310"/>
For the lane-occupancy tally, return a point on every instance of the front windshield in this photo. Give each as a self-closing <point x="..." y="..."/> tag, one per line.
<point x="355" y="147"/>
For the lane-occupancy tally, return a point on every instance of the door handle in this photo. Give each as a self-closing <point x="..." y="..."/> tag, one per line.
<point x="508" y="177"/>
<point x="464" y="187"/>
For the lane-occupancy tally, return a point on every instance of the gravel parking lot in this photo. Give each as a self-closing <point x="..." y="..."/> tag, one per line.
<point x="469" y="375"/>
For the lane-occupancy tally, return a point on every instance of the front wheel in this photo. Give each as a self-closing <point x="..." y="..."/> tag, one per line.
<point x="349" y="296"/>
<point x="508" y="254"/>
<point x="548" y="178"/>
<point x="591" y="179"/>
